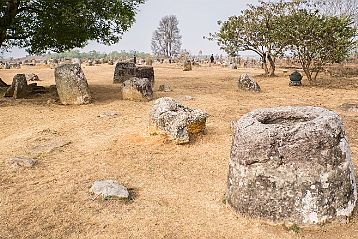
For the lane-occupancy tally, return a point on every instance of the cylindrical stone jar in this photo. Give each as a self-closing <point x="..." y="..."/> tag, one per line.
<point x="291" y="165"/>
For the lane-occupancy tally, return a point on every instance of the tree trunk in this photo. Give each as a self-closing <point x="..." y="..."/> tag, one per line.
<point x="264" y="65"/>
<point x="272" y="65"/>
<point x="308" y="74"/>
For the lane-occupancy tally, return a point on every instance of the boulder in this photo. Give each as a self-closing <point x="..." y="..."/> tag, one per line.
<point x="291" y="165"/>
<point x="145" y="72"/>
<point x="187" y="66"/>
<point x="32" y="77"/>
<point x="245" y="82"/>
<point x="123" y="72"/>
<point x="71" y="84"/>
<point x="109" y="189"/>
<point x="178" y="121"/>
<point x="137" y="89"/>
<point x="18" y="88"/>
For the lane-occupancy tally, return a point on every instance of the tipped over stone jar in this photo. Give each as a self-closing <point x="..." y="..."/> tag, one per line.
<point x="291" y="165"/>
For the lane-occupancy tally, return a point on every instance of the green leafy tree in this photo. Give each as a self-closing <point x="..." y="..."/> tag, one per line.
<point x="60" y="25"/>
<point x="316" y="40"/>
<point x="254" y="30"/>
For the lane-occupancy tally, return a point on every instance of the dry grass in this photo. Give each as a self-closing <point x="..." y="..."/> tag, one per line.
<point x="178" y="190"/>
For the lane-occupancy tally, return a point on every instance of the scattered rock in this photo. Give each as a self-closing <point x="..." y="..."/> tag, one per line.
<point x="137" y="89"/>
<point x="350" y="107"/>
<point x="18" y="88"/>
<point x="32" y="77"/>
<point x="187" y="66"/>
<point x="233" y="66"/>
<point x="164" y="88"/>
<point x="109" y="189"/>
<point x="72" y="86"/>
<point x="291" y="165"/>
<point x="245" y="82"/>
<point x="177" y="120"/>
<point x="89" y="63"/>
<point x="22" y="162"/>
<point x="109" y="114"/>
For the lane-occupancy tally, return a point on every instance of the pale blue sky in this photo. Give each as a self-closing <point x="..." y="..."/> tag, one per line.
<point x="196" y="19"/>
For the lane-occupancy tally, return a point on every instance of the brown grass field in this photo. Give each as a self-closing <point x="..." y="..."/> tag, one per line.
<point x="178" y="191"/>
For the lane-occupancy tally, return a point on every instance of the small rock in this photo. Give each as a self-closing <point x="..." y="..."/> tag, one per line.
<point x="110" y="114"/>
<point x="245" y="82"/>
<point x="185" y="98"/>
<point x="22" y="162"/>
<point x="109" y="188"/>
<point x="187" y="66"/>
<point x="350" y="107"/>
<point x="164" y="88"/>
<point x="32" y="77"/>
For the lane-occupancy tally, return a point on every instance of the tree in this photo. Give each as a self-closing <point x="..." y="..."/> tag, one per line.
<point x="60" y="25"/>
<point x="343" y="8"/>
<point x="316" y="40"/>
<point x="166" y="40"/>
<point x="254" y="30"/>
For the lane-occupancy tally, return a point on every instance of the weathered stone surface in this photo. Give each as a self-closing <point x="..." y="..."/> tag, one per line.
<point x="72" y="86"/>
<point x="22" y="162"/>
<point x="126" y="70"/>
<point x="145" y="72"/>
<point x="291" y="165"/>
<point x="245" y="82"/>
<point x="164" y="88"/>
<point x="3" y="84"/>
<point x="350" y="107"/>
<point x="32" y="77"/>
<point x="187" y="66"/>
<point x="177" y="120"/>
<point x="18" y="88"/>
<point x="123" y="72"/>
<point x="109" y="188"/>
<point x="137" y="89"/>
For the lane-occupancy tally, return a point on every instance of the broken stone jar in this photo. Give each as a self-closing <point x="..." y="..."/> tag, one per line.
<point x="291" y="165"/>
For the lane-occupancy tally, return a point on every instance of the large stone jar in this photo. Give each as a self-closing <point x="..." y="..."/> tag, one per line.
<point x="291" y="165"/>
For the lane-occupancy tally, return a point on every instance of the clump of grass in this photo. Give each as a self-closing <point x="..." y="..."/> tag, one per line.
<point x="295" y="228"/>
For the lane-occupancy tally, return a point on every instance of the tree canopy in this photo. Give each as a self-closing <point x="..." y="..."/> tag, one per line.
<point x="59" y="25"/>
<point x="316" y="40"/>
<point x="166" y="40"/>
<point x="255" y="29"/>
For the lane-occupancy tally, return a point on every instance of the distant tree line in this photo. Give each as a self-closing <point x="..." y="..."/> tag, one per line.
<point x="98" y="55"/>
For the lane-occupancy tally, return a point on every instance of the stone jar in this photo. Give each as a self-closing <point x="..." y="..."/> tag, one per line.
<point x="291" y="165"/>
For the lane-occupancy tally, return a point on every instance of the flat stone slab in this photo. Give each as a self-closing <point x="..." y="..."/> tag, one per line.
<point x="109" y="114"/>
<point x="109" y="188"/>
<point x="350" y="107"/>
<point x="49" y="146"/>
<point x="22" y="162"/>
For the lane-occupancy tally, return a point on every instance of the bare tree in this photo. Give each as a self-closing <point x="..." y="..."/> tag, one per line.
<point x="166" y="40"/>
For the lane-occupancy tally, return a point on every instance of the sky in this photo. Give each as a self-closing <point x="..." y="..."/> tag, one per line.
<point x="197" y="18"/>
